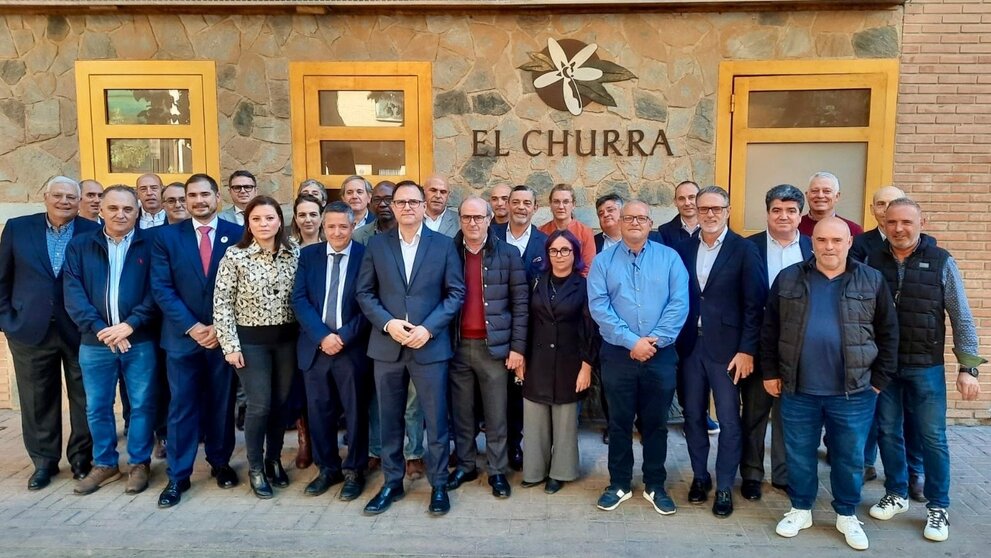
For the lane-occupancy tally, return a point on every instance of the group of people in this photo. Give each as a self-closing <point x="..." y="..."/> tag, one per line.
<point x="412" y="324"/>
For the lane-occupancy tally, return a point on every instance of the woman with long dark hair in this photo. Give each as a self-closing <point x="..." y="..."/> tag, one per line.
<point x="257" y="331"/>
<point x="305" y="227"/>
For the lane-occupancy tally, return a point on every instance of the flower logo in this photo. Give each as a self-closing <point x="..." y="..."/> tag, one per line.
<point x="579" y="70"/>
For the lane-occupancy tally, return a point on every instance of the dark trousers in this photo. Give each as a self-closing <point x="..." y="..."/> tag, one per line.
<point x="701" y="375"/>
<point x="335" y="386"/>
<point x="267" y="376"/>
<point x="638" y="388"/>
<point x="392" y="385"/>
<point x="514" y="413"/>
<point x="202" y="402"/>
<point x="758" y="405"/>
<point x="39" y="370"/>
<point x="472" y="363"/>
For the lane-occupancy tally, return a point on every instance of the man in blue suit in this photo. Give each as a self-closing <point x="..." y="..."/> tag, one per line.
<point x="333" y="339"/>
<point x="727" y="288"/>
<point x="183" y="272"/>
<point x="410" y="287"/>
<point x="41" y="336"/>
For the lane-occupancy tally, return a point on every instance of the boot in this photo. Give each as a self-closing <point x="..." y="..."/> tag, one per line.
<point x="304" y="458"/>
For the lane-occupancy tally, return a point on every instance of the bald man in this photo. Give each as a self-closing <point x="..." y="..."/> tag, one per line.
<point x="499" y="200"/>
<point x="871" y="240"/>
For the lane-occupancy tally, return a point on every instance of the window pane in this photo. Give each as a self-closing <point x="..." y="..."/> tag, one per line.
<point x="147" y="106"/>
<point x="170" y="155"/>
<point x="810" y="109"/>
<point x="363" y="158"/>
<point x="362" y="108"/>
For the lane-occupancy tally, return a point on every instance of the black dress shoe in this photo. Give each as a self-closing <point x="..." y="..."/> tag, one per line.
<point x="259" y="484"/>
<point x="723" y="504"/>
<point x="226" y="477"/>
<point x="276" y="473"/>
<point x="40" y="479"/>
<point x="516" y="459"/>
<point x="500" y="486"/>
<point x="750" y="489"/>
<point x="384" y="499"/>
<point x="440" y="504"/>
<point x="325" y="479"/>
<point x="459" y="477"/>
<point x="553" y="486"/>
<point x="699" y="491"/>
<point x="354" y="485"/>
<point x="605" y="436"/>
<point x="80" y="469"/>
<point x="172" y="493"/>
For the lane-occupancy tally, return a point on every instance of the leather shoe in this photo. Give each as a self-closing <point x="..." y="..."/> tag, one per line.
<point x="415" y="469"/>
<point x="553" y="486"/>
<point x="516" y="459"/>
<point x="259" y="484"/>
<point x="354" y="485"/>
<point x="723" y="504"/>
<point x="40" y="479"/>
<point x="440" y="504"/>
<point x="226" y="477"/>
<point x="528" y="484"/>
<point x="80" y="469"/>
<point x="699" y="491"/>
<point x="917" y="488"/>
<point x="870" y="473"/>
<point x="459" y="477"/>
<point x="500" y="486"/>
<point x="605" y="436"/>
<point x="276" y="473"/>
<point x="172" y="493"/>
<point x="384" y="499"/>
<point x="325" y="479"/>
<point x="750" y="490"/>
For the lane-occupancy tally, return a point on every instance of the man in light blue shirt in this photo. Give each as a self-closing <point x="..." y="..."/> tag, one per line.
<point x="638" y="295"/>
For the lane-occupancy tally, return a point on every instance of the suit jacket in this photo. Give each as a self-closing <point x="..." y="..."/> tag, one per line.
<point x="449" y="223"/>
<point x="732" y="304"/>
<point x="671" y="234"/>
<point x="180" y="288"/>
<point x="600" y="240"/>
<point x="431" y="297"/>
<point x="309" y="295"/>
<point x="228" y="214"/>
<point x="31" y="295"/>
<point x="533" y="255"/>
<point x="866" y="243"/>
<point x="760" y="240"/>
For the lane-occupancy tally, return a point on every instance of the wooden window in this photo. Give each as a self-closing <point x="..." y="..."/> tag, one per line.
<point x="147" y="116"/>
<point x="373" y="119"/>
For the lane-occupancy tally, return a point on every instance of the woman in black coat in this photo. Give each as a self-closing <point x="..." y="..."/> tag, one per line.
<point x="563" y="345"/>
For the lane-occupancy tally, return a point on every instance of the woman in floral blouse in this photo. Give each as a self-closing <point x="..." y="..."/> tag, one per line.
<point x="257" y="331"/>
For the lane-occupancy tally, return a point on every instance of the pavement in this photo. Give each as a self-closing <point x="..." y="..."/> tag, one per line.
<point x="226" y="523"/>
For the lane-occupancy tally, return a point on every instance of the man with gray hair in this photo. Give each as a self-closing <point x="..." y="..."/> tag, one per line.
<point x="823" y="194"/>
<point x="356" y="191"/>
<point x="43" y="340"/>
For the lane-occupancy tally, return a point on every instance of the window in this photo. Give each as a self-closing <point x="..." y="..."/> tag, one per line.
<point x="149" y="116"/>
<point x="373" y="119"/>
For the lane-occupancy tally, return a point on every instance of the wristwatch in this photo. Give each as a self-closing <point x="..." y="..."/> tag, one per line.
<point x="971" y="370"/>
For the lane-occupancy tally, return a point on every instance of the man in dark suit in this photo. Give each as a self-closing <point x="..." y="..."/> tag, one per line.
<point x="410" y="287"/>
<point x="780" y="246"/>
<point x="42" y="338"/>
<point x="183" y="272"/>
<point x="333" y="339"/>
<point x="686" y="223"/>
<point x="717" y="346"/>
<point x="608" y="208"/>
<point x="871" y="241"/>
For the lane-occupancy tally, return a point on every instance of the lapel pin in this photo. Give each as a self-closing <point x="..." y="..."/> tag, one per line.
<point x="223" y="240"/>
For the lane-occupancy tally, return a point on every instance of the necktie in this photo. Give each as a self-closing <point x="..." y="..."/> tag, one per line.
<point x="206" y="248"/>
<point x="330" y="307"/>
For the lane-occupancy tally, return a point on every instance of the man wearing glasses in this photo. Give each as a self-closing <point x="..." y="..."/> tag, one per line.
<point x="381" y="207"/>
<point x="244" y="188"/>
<point x="149" y="188"/>
<point x="174" y="199"/>
<point x="727" y="288"/>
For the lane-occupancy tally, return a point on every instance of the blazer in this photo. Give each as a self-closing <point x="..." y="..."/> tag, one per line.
<point x="760" y="240"/>
<point x="734" y="298"/>
<point x="31" y="294"/>
<point x="228" y="214"/>
<point x="308" y="298"/>
<point x="867" y="243"/>
<point x="671" y="234"/>
<point x="180" y="288"/>
<point x="449" y="223"/>
<point x="431" y="297"/>
<point x="533" y="255"/>
<point x="86" y="286"/>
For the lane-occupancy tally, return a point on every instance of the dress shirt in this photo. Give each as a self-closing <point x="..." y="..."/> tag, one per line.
<point x="780" y="257"/>
<point x="365" y="219"/>
<point x="704" y="259"/>
<point x="57" y="238"/>
<point x="238" y="215"/>
<point x="687" y="229"/>
<point x="434" y="224"/>
<point x="409" y="251"/>
<point x="340" y="283"/>
<point x="521" y="242"/>
<point x="609" y="242"/>
<point x="116" y="253"/>
<point x="149" y="220"/>
<point x="213" y="228"/>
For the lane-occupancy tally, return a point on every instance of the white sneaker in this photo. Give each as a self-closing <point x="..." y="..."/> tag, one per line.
<point x="793" y="522"/>
<point x="937" y="525"/>
<point x="889" y="506"/>
<point x="850" y="526"/>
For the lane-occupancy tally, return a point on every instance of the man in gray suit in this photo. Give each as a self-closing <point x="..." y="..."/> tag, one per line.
<point x="437" y="216"/>
<point x="244" y="188"/>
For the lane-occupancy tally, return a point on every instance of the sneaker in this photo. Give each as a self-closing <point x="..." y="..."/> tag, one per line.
<point x="850" y="526"/>
<point x="793" y="522"/>
<point x="712" y="425"/>
<point x="612" y="497"/>
<point x="96" y="478"/>
<point x="663" y="504"/>
<point x="937" y="525"/>
<point x="889" y="506"/>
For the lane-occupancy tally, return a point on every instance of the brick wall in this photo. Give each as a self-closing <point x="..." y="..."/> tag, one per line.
<point x="943" y="152"/>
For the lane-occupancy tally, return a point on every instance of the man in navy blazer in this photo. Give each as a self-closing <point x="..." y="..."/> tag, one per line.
<point x="42" y="338"/>
<point x="718" y="344"/>
<point x="410" y="287"/>
<point x="183" y="272"/>
<point x="333" y="339"/>
<point x="686" y="223"/>
<point x="871" y="241"/>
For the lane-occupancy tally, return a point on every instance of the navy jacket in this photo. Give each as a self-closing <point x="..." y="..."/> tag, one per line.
<point x="732" y="303"/>
<point x="31" y="296"/>
<point x="431" y="297"/>
<point x="866" y="243"/>
<point x="760" y="240"/>
<point x="181" y="290"/>
<point x="86" y="288"/>
<point x="533" y="256"/>
<point x="672" y="234"/>
<point x="600" y="240"/>
<point x="309" y="296"/>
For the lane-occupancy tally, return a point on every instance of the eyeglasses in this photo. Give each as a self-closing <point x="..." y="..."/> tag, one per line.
<point x="174" y="201"/>
<point x="474" y="218"/>
<point x="641" y="219"/>
<point x="243" y="187"/>
<point x="378" y="200"/>
<point x="563" y="252"/>
<point x="412" y="204"/>
<point x="714" y="210"/>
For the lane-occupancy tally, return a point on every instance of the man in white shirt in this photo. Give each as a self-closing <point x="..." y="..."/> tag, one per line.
<point x="357" y="193"/>
<point x="243" y="188"/>
<point x="437" y="216"/>
<point x="149" y="188"/>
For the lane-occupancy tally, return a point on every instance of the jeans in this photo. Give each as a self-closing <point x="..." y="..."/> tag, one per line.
<point x="847" y="419"/>
<point x="266" y="377"/>
<point x="913" y="445"/>
<point x="101" y="367"/>
<point x="924" y="391"/>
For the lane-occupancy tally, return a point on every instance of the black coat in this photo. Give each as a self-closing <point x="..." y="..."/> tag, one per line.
<point x="561" y="338"/>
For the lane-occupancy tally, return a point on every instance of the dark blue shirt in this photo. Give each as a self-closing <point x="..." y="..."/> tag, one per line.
<point x="820" y="367"/>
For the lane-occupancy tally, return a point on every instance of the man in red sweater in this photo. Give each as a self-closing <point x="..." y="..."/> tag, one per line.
<point x="823" y="194"/>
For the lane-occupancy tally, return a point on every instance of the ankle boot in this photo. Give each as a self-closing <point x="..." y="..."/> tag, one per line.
<point x="259" y="484"/>
<point x="304" y="458"/>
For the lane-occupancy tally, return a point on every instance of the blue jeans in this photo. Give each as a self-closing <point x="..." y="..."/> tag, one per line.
<point x="913" y="445"/>
<point x="847" y="419"/>
<point x="101" y="367"/>
<point x="924" y="391"/>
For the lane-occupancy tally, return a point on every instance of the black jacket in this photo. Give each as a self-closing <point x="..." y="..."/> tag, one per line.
<point x="869" y="329"/>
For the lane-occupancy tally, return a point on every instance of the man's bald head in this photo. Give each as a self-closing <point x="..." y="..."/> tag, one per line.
<point x="831" y="243"/>
<point x="882" y="198"/>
